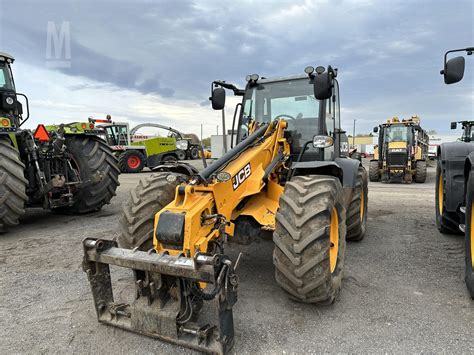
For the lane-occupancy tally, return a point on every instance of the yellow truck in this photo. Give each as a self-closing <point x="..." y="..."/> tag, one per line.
<point x="401" y="153"/>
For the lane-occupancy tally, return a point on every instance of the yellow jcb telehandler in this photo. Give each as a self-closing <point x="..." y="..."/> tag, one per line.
<point x="286" y="174"/>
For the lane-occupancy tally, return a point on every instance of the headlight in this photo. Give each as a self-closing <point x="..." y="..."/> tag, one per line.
<point x="182" y="144"/>
<point x="322" y="141"/>
<point x="9" y="100"/>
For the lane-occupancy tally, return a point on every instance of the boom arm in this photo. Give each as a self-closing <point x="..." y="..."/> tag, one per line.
<point x="202" y="210"/>
<point x="156" y="125"/>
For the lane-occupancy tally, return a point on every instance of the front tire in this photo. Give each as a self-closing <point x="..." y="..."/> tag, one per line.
<point x="181" y="154"/>
<point x="131" y="161"/>
<point x="310" y="239"/>
<point x="469" y="235"/>
<point x="95" y="161"/>
<point x="420" y="171"/>
<point x="356" y="221"/>
<point x="447" y="223"/>
<point x="374" y="172"/>
<point x="12" y="185"/>
<point x="137" y="221"/>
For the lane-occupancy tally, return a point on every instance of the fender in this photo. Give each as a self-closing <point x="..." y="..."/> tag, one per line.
<point x="453" y="158"/>
<point x="343" y="168"/>
<point x="180" y="168"/>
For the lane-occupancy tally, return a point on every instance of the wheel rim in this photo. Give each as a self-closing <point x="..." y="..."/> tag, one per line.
<point x="362" y="205"/>
<point x="333" y="240"/>
<point x="133" y="162"/>
<point x="440" y="193"/>
<point x="471" y="235"/>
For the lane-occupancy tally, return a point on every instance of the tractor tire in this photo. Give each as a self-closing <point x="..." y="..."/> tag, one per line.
<point x="356" y="221"/>
<point x="150" y="196"/>
<point x="194" y="153"/>
<point x="469" y="235"/>
<point x="447" y="222"/>
<point x="181" y="154"/>
<point x="169" y="159"/>
<point x="92" y="157"/>
<point x="374" y="171"/>
<point x="420" y="171"/>
<point x="12" y="185"/>
<point x="310" y="239"/>
<point x="131" y="161"/>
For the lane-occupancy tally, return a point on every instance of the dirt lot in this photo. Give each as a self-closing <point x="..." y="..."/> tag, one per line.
<point x="403" y="289"/>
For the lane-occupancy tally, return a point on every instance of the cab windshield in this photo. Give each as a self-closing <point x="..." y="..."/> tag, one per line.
<point x="396" y="134"/>
<point x="293" y="100"/>
<point x="6" y="80"/>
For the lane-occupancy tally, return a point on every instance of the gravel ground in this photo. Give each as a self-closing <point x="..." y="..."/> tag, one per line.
<point x="403" y="289"/>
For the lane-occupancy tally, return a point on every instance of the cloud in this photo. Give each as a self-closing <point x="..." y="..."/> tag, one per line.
<point x="165" y="54"/>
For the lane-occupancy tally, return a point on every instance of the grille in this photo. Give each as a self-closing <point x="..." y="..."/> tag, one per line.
<point x="397" y="159"/>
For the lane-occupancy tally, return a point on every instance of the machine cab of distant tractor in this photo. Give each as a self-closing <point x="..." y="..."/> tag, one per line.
<point x="467" y="130"/>
<point x="11" y="110"/>
<point x="115" y="133"/>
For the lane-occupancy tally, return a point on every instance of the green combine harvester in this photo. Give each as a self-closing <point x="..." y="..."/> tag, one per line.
<point x="66" y="168"/>
<point x="135" y="152"/>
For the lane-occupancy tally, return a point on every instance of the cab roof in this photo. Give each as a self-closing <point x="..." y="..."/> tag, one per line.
<point x="5" y="57"/>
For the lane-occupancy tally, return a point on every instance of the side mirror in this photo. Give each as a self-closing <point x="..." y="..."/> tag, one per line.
<point x="322" y="86"/>
<point x="454" y="70"/>
<point x="376" y="129"/>
<point x="218" y="99"/>
<point x="454" y="125"/>
<point x="182" y="144"/>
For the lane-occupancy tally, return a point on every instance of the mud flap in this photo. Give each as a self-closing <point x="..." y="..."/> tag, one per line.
<point x="168" y="298"/>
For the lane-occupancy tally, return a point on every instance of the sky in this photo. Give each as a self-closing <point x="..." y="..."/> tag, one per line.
<point x="154" y="61"/>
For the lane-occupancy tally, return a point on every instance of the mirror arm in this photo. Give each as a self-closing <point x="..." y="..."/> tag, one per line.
<point x="235" y="89"/>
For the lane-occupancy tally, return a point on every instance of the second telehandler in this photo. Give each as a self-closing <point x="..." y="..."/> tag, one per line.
<point x="286" y="174"/>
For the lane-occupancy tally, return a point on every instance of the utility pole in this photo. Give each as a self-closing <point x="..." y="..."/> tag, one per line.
<point x="201" y="133"/>
<point x="354" y="134"/>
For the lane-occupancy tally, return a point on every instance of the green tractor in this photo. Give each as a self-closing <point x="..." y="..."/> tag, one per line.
<point x="65" y="168"/>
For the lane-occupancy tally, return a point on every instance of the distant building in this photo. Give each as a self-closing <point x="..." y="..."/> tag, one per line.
<point x="363" y="143"/>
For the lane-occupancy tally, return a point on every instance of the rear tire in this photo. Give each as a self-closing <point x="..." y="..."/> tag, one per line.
<point x="131" y="161"/>
<point x="194" y="153"/>
<point x="308" y="256"/>
<point x="374" y="172"/>
<point x="93" y="157"/>
<point x="356" y="220"/>
<point x="447" y="223"/>
<point x="181" y="154"/>
<point x="12" y="185"/>
<point x="420" y="171"/>
<point x="151" y="195"/>
<point x="469" y="235"/>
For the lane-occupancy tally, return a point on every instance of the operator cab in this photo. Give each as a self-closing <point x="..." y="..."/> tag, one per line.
<point x="9" y="104"/>
<point x="292" y="99"/>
